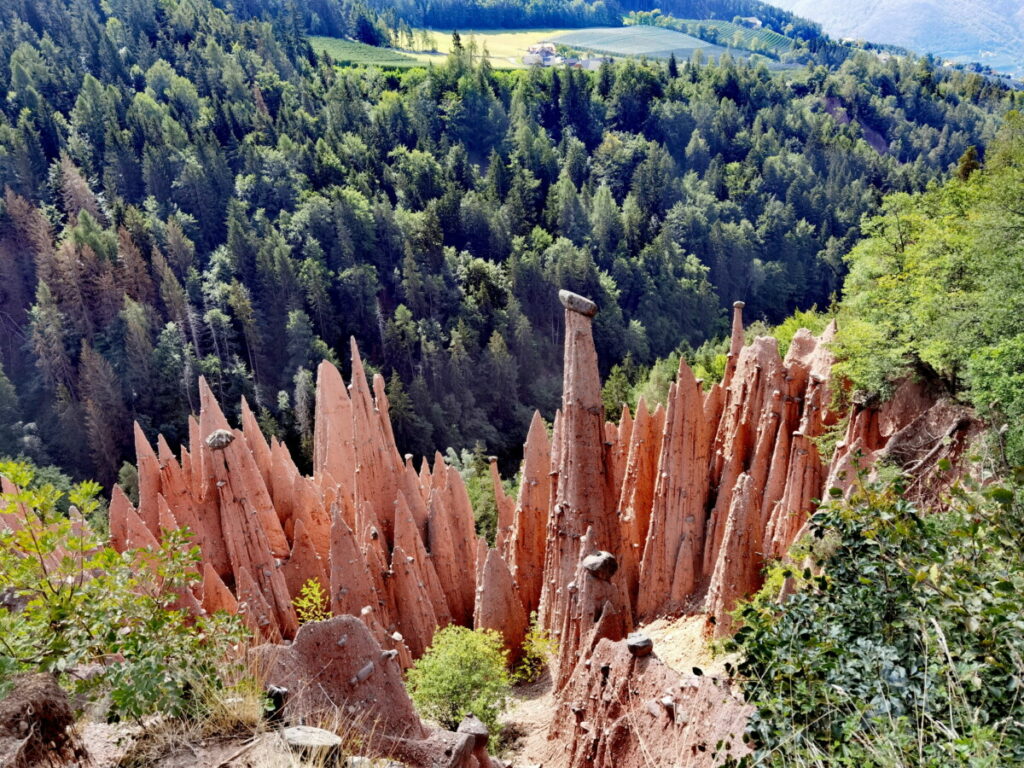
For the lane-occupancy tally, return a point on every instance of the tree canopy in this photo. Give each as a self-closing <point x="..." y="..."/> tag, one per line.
<point x="188" y="191"/>
<point x="937" y="288"/>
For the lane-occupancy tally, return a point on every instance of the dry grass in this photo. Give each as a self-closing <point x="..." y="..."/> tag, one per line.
<point x="233" y="716"/>
<point x="505" y="48"/>
<point x="233" y="733"/>
<point x="682" y="644"/>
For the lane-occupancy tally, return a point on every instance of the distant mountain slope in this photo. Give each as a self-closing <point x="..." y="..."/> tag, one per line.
<point x="989" y="31"/>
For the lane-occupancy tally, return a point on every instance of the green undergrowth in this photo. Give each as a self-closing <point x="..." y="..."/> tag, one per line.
<point x="903" y="644"/>
<point x="107" y="624"/>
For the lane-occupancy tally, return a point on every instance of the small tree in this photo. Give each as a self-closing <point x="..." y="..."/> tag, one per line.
<point x="464" y="672"/>
<point x="539" y="647"/>
<point x="968" y="163"/>
<point x="312" y="603"/>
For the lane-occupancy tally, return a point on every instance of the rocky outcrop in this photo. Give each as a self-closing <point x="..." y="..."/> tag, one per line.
<point x="632" y="711"/>
<point x="670" y="570"/>
<point x="385" y="543"/>
<point x="579" y="465"/>
<point x="338" y="664"/>
<point x="919" y="430"/>
<point x="637" y="491"/>
<point x="598" y="608"/>
<point x="582" y="518"/>
<point x="737" y="570"/>
<point x="529" y="521"/>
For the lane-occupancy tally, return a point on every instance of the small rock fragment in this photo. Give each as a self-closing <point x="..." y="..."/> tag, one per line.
<point x="639" y="645"/>
<point x="311" y="742"/>
<point x="475" y="728"/>
<point x="363" y="673"/>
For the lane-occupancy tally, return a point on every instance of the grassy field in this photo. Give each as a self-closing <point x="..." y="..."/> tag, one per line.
<point x="506" y="48"/>
<point x="652" y="42"/>
<point x="349" y="52"/>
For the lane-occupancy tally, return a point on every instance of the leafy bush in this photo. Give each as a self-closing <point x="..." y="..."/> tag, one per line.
<point x="813" y="320"/>
<point x="906" y="648"/>
<point x="82" y="603"/>
<point x="539" y="648"/>
<point x="464" y="672"/>
<point x="995" y="375"/>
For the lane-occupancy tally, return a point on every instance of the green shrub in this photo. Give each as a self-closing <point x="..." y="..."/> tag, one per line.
<point x="906" y="647"/>
<point x="312" y="603"/>
<point x="539" y="648"/>
<point x="813" y="320"/>
<point x="87" y="604"/>
<point x="463" y="672"/>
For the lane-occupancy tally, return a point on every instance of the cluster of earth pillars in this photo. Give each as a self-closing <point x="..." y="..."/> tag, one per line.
<point x="672" y="511"/>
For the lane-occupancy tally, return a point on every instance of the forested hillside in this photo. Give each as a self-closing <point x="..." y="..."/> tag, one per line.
<point x="986" y="31"/>
<point x="188" y="194"/>
<point x="371" y="20"/>
<point x="936" y="289"/>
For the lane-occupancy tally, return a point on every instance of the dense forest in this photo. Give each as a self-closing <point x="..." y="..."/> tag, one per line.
<point x="186" y="193"/>
<point x="373" y="21"/>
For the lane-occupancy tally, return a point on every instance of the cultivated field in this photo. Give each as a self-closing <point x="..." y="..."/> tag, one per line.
<point x="349" y="52"/>
<point x="743" y="37"/>
<point x="506" y="48"/>
<point x="652" y="42"/>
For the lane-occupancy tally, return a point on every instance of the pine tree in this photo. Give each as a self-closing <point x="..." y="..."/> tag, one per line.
<point x="138" y="350"/>
<point x="968" y="163"/>
<point x="106" y="418"/>
<point x="49" y="339"/>
<point x="10" y="416"/>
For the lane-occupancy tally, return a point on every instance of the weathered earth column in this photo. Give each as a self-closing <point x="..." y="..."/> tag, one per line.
<point x="583" y="501"/>
<point x="735" y="342"/>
